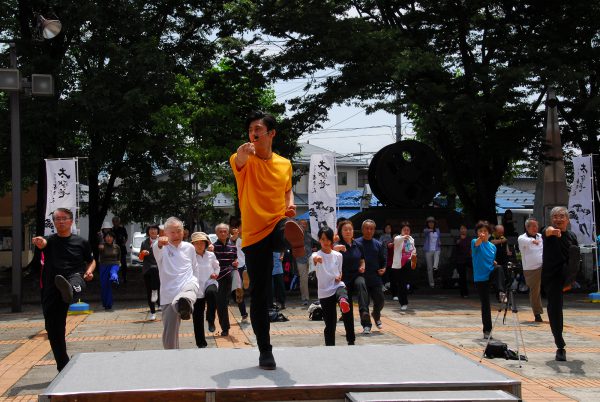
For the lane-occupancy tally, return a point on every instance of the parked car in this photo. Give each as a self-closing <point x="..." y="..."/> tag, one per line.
<point x="136" y="243"/>
<point x="212" y="237"/>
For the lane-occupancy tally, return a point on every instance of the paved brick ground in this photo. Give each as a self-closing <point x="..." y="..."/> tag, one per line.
<point x="27" y="365"/>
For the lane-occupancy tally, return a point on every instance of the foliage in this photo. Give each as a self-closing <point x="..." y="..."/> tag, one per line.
<point x="121" y="69"/>
<point x="462" y="71"/>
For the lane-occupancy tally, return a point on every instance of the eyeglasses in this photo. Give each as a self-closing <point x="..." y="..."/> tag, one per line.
<point x="62" y="219"/>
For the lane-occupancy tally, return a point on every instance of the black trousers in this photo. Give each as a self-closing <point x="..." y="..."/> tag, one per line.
<point x="400" y="280"/>
<point x="223" y="301"/>
<point x="553" y="287"/>
<point x="357" y="286"/>
<point x="152" y="282"/>
<point x="483" y="289"/>
<point x="242" y="305"/>
<point x="329" y="307"/>
<point x="376" y="294"/>
<point x="462" y="278"/>
<point x="55" y="317"/>
<point x="210" y="300"/>
<point x="123" y="269"/>
<point x="259" y="262"/>
<point x="278" y="289"/>
<point x="55" y="321"/>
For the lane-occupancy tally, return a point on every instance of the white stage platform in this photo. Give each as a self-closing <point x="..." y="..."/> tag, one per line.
<point x="303" y="373"/>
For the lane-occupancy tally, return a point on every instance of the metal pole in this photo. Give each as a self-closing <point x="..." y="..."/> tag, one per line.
<point x="17" y="229"/>
<point x="398" y="127"/>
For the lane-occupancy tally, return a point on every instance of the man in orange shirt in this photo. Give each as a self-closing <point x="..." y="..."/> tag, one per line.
<point x="264" y="183"/>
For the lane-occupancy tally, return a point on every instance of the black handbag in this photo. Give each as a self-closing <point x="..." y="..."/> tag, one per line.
<point x="496" y="349"/>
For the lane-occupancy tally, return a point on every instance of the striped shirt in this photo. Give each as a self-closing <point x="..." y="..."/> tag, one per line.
<point x="226" y="254"/>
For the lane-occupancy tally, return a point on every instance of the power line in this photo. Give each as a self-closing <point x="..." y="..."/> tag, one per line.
<point x="351" y="136"/>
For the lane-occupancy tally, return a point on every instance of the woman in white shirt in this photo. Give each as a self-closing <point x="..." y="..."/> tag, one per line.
<point x="208" y="269"/>
<point x="405" y="260"/>
<point x="331" y="289"/>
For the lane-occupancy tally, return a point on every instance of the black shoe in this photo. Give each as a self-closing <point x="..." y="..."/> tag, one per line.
<point x="538" y="318"/>
<point x="185" y="308"/>
<point x="211" y="327"/>
<point x="225" y="332"/>
<point x="561" y="355"/>
<point x="65" y="288"/>
<point x="266" y="361"/>
<point x="202" y="345"/>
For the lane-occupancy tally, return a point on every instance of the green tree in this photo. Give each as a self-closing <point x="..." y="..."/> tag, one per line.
<point x="201" y="128"/>
<point x="116" y="67"/>
<point x="457" y="68"/>
<point x="567" y="50"/>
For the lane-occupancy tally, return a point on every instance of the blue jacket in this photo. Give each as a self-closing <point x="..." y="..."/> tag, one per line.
<point x="483" y="260"/>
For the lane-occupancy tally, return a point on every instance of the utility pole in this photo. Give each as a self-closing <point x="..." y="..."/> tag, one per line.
<point x="398" y="127"/>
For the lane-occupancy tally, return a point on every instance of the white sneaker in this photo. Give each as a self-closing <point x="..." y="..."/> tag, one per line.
<point x="379" y="324"/>
<point x="366" y="330"/>
<point x="154" y="296"/>
<point x="395" y="298"/>
<point x="152" y="317"/>
<point x="403" y="307"/>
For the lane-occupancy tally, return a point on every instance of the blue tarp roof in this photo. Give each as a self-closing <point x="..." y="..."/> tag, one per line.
<point x="351" y="198"/>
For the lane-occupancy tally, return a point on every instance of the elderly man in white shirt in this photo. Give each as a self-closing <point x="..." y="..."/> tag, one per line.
<point x="179" y="284"/>
<point x="532" y="247"/>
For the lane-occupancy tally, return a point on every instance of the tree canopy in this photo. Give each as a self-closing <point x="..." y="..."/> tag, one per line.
<point x="471" y="75"/>
<point x="150" y="94"/>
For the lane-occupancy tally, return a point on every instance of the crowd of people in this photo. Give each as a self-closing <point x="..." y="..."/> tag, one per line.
<point x="188" y="277"/>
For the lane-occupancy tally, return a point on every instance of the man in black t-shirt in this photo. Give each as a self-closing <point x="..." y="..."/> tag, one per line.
<point x="558" y="242"/>
<point x="68" y="263"/>
<point x="121" y="241"/>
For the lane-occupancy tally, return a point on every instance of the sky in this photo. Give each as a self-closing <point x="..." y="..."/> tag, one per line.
<point x="349" y="129"/>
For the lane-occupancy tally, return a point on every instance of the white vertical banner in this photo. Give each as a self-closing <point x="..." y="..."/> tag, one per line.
<point x="321" y="192"/>
<point x="581" y="200"/>
<point x="61" y="189"/>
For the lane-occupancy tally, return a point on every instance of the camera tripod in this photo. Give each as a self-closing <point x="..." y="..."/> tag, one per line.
<point x="505" y="305"/>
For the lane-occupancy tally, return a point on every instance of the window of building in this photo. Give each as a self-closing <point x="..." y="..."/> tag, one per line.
<point x="363" y="177"/>
<point x="342" y="178"/>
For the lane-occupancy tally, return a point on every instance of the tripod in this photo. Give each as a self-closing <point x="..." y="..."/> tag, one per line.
<point x="509" y="303"/>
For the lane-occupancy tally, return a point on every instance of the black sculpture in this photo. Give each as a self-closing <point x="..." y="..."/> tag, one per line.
<point x="405" y="174"/>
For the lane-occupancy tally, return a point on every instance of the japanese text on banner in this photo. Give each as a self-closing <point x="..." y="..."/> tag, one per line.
<point x="321" y="192"/>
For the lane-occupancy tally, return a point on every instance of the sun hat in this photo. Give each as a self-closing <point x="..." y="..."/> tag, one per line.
<point x="197" y="236"/>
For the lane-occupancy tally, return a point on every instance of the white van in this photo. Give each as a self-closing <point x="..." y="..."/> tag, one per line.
<point x="136" y="243"/>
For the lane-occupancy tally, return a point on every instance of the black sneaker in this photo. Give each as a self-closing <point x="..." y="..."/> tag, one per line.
<point x="266" y="361"/>
<point x="225" y="332"/>
<point x="211" y="327"/>
<point x="561" y="355"/>
<point x="538" y="318"/>
<point x="185" y="308"/>
<point x="65" y="288"/>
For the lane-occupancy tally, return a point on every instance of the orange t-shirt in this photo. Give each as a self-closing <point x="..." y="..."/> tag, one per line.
<point x="261" y="191"/>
